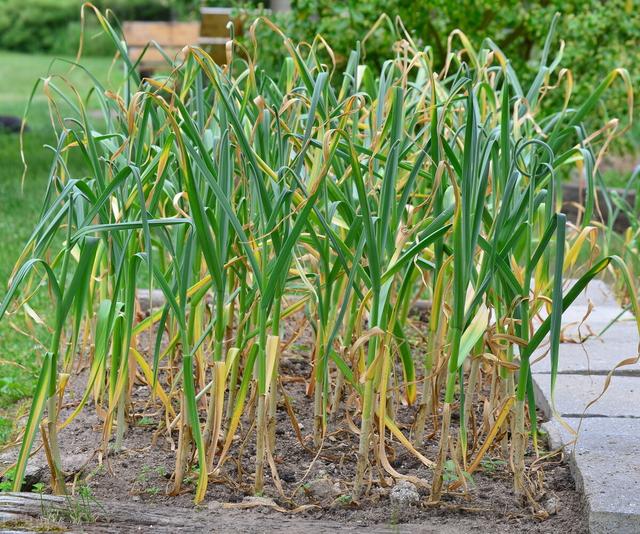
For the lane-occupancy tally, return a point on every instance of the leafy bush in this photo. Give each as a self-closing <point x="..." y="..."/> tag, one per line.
<point x="34" y="25"/>
<point x="598" y="35"/>
<point x="95" y="43"/>
<point x="53" y="25"/>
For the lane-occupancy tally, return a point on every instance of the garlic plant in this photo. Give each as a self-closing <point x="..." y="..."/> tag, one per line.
<point x="247" y="199"/>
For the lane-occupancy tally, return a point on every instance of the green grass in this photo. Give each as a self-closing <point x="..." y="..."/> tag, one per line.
<point x="20" y="206"/>
<point x="24" y="70"/>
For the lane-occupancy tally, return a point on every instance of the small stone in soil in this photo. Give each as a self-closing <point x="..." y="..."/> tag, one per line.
<point x="214" y="505"/>
<point x="551" y="505"/>
<point x="404" y="493"/>
<point x="259" y="501"/>
<point x="323" y="488"/>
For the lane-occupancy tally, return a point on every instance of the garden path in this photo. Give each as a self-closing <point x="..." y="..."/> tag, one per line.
<point x="603" y="454"/>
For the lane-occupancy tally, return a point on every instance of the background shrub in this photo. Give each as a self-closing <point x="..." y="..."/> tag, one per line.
<point x="599" y="35"/>
<point x="34" y="25"/>
<point x="54" y="25"/>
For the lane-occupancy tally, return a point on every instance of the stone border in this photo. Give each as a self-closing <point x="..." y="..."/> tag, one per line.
<point x="603" y="455"/>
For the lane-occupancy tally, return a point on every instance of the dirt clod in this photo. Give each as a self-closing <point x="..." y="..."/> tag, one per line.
<point x="404" y="493"/>
<point x="323" y="489"/>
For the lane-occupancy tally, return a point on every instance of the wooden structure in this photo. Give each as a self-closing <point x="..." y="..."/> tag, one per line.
<point x="214" y="33"/>
<point x="172" y="37"/>
<point x="211" y="33"/>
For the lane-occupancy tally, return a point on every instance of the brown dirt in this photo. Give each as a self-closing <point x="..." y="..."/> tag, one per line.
<point x="131" y="486"/>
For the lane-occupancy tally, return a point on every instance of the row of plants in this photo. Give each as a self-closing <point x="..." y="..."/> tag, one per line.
<point x="343" y="195"/>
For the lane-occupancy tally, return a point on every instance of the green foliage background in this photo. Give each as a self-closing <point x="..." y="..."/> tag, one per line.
<point x="54" y="25"/>
<point x="599" y="35"/>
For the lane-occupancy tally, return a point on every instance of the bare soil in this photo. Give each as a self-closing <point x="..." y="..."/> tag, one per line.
<point x="128" y="490"/>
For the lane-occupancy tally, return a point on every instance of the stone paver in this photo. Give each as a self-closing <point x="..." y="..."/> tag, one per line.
<point x="606" y="466"/>
<point x="574" y="392"/>
<point x="603" y="455"/>
<point x="580" y="321"/>
<point x="598" y="293"/>
<point x="597" y="355"/>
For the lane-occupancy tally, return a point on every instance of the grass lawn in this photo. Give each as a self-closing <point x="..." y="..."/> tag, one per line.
<point x="20" y="354"/>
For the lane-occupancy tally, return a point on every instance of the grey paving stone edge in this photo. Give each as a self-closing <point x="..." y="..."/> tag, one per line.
<point x="603" y="455"/>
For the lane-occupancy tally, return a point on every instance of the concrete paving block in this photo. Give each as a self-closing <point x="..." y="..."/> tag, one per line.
<point x="578" y="322"/>
<point x="596" y="355"/>
<point x="597" y="318"/>
<point x="603" y="455"/>
<point x="574" y="392"/>
<point x="598" y="292"/>
<point x="604" y="305"/>
<point x="594" y="320"/>
<point x="606" y="466"/>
